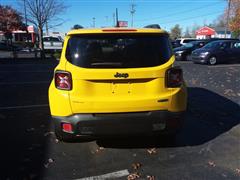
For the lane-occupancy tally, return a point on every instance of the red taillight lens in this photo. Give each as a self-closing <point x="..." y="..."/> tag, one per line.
<point x="63" y="80"/>
<point x="174" y="77"/>
<point x="67" y="127"/>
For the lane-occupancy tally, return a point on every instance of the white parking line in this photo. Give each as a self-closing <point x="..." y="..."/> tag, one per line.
<point x="22" y="107"/>
<point x="30" y="82"/>
<point x="112" y="175"/>
<point x="26" y="72"/>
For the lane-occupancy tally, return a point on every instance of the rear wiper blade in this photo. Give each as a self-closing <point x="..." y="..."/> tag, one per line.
<point x="106" y="64"/>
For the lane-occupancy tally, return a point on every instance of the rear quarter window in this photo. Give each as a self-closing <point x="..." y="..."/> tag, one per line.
<point x="118" y="51"/>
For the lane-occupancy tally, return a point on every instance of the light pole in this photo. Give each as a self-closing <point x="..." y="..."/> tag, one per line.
<point x="94" y="21"/>
<point x="132" y="11"/>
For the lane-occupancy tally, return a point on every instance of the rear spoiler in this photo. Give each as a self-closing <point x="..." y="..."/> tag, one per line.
<point x="153" y="26"/>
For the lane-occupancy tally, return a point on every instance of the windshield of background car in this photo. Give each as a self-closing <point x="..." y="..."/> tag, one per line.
<point x="118" y="51"/>
<point x="189" y="45"/>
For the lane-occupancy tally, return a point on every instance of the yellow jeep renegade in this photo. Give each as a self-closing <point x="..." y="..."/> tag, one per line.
<point x="116" y="81"/>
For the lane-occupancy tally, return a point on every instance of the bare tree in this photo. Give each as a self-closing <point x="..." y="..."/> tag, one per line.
<point x="40" y="12"/>
<point x="176" y="32"/>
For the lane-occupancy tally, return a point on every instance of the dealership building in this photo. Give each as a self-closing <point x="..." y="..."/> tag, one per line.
<point x="22" y="35"/>
<point x="208" y="32"/>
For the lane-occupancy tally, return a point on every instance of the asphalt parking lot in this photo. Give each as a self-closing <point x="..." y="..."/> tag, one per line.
<point x="208" y="147"/>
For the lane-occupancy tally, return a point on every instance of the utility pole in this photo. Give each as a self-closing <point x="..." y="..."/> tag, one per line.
<point x="132" y="11"/>
<point x="94" y="21"/>
<point x="25" y="14"/>
<point x="228" y="12"/>
<point x="46" y="28"/>
<point x="117" y="25"/>
<point x="114" y="23"/>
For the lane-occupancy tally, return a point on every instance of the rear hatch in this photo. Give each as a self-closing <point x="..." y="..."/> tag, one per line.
<point x="118" y="72"/>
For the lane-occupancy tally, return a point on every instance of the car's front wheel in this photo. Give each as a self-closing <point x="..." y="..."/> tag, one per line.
<point x="212" y="60"/>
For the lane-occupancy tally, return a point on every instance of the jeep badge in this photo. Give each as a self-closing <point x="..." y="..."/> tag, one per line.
<point x="121" y="75"/>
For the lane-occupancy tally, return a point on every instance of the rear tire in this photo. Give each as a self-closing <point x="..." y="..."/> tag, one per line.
<point x="212" y="60"/>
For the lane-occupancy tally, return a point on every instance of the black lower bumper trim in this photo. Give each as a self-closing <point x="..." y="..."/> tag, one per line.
<point x="121" y="123"/>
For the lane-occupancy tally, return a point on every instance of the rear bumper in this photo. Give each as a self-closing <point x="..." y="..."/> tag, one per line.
<point x="121" y="123"/>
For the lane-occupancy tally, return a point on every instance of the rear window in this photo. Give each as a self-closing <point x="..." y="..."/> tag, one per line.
<point x="188" y="40"/>
<point x="118" y="51"/>
<point x="48" y="39"/>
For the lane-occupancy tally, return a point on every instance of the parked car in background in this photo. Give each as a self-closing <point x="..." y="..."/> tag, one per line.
<point x="175" y="44"/>
<point x="184" y="41"/>
<point x="7" y="47"/>
<point x="52" y="44"/>
<point x="221" y="51"/>
<point x="184" y="52"/>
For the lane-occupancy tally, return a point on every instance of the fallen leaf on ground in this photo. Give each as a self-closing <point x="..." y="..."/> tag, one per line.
<point x="194" y="81"/>
<point x="50" y="160"/>
<point x="238" y="171"/>
<point x="227" y="91"/>
<point x="98" y="150"/>
<point x="152" y="151"/>
<point x="133" y="176"/>
<point x="211" y="163"/>
<point x="136" y="166"/>
<point x="46" y="165"/>
<point x="150" y="177"/>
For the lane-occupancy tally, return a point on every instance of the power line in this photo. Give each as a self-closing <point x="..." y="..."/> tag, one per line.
<point x="169" y="22"/>
<point x="177" y="13"/>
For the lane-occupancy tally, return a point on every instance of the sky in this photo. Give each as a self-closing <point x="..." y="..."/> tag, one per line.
<point x="166" y="13"/>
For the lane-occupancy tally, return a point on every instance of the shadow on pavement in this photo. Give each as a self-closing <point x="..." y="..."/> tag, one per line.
<point x="24" y="143"/>
<point x="208" y="116"/>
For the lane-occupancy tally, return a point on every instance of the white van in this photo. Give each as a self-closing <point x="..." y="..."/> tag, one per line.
<point x="52" y="43"/>
<point x="184" y="41"/>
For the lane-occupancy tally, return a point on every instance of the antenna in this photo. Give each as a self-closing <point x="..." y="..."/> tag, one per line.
<point x="132" y="11"/>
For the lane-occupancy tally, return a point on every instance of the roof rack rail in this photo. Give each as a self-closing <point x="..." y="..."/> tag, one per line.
<point x="153" y="26"/>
